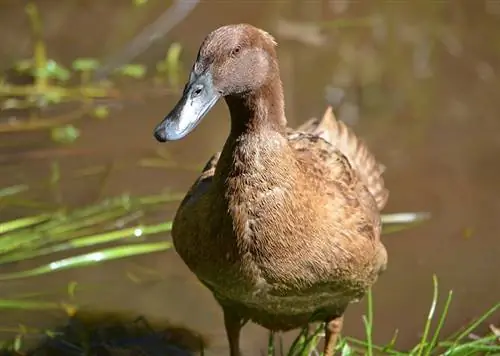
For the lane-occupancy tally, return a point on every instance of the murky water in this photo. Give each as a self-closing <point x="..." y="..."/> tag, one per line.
<point x="420" y="83"/>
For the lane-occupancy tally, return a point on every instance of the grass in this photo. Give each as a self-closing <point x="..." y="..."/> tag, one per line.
<point x="463" y="342"/>
<point x="67" y="231"/>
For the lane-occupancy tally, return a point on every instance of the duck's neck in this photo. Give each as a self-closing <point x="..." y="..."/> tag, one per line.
<point x="258" y="111"/>
<point x="257" y="145"/>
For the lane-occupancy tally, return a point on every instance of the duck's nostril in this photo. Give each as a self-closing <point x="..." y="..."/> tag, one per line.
<point x="197" y="91"/>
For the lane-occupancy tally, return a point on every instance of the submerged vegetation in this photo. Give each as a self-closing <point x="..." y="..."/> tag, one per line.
<point x="51" y="84"/>
<point x="125" y="226"/>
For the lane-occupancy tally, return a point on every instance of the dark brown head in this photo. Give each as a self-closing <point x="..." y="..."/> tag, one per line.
<point x="233" y="60"/>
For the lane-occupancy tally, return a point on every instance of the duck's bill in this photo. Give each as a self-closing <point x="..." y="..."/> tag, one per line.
<point x="198" y="98"/>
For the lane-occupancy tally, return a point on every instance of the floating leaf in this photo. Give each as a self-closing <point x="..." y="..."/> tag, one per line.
<point x="85" y="64"/>
<point x="52" y="69"/>
<point x="57" y="71"/>
<point x="101" y="112"/>
<point x="65" y="134"/>
<point x="133" y="70"/>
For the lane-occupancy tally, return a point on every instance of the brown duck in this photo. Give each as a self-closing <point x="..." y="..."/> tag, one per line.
<point x="282" y="226"/>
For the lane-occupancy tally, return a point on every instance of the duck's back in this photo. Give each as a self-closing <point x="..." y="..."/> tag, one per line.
<point x="359" y="156"/>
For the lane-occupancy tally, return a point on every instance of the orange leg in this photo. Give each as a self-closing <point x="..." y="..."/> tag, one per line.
<point x="333" y="328"/>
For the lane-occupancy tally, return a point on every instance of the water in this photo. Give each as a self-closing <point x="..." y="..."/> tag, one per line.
<point x="420" y="85"/>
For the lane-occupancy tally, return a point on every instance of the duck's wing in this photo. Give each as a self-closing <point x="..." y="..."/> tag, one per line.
<point x="201" y="185"/>
<point x="361" y="159"/>
<point x="347" y="212"/>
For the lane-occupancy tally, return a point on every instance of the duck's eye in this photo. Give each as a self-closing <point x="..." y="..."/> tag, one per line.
<point x="235" y="51"/>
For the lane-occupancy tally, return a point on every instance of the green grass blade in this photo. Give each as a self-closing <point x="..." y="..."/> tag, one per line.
<point x="404" y="218"/>
<point x="89" y="221"/>
<point x="90" y="259"/>
<point x="368" y="321"/>
<point x="430" y="316"/>
<point x="380" y="349"/>
<point x="346" y="350"/>
<point x="270" y="344"/>
<point x="28" y="305"/>
<point x="475" y="324"/>
<point x="440" y="324"/>
<point x="60" y="226"/>
<point x="162" y="198"/>
<point x="13" y="190"/>
<point x="22" y="223"/>
<point x="312" y="341"/>
<point x="397" y="222"/>
<point x="390" y="344"/>
<point x="87" y="241"/>
<point x="474" y="347"/>
<point x="298" y="342"/>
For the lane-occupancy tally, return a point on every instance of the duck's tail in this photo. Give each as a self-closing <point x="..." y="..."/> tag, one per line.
<point x="360" y="157"/>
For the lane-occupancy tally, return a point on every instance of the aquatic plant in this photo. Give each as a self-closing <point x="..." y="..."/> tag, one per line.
<point x="50" y="83"/>
<point x="463" y="342"/>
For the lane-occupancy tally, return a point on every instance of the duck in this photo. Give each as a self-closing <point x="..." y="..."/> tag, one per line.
<point x="282" y="225"/>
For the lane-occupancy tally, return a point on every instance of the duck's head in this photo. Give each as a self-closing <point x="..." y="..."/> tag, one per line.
<point x="233" y="60"/>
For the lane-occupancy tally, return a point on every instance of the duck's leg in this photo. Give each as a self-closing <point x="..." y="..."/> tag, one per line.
<point x="333" y="327"/>
<point x="233" y="323"/>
